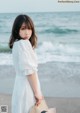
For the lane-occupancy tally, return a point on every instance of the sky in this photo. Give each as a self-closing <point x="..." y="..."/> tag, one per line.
<point x="36" y="6"/>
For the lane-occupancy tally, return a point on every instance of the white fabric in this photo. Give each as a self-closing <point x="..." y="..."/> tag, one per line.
<point x="25" y="59"/>
<point x="25" y="63"/>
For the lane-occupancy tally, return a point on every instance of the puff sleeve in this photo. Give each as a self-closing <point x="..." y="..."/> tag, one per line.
<point x="27" y="58"/>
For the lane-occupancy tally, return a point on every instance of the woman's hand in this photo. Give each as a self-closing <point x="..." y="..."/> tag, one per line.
<point x="38" y="98"/>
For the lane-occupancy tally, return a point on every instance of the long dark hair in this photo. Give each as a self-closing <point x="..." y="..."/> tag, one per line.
<point x="20" y="19"/>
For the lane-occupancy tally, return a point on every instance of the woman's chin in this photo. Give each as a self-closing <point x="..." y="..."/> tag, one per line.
<point x="25" y="38"/>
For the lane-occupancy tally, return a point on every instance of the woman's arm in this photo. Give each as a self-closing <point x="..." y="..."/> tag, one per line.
<point x="35" y="84"/>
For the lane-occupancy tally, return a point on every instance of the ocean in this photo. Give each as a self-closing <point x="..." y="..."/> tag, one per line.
<point x="58" y="52"/>
<point x="58" y="36"/>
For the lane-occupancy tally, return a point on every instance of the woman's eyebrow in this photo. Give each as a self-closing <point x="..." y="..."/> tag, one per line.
<point x="23" y="26"/>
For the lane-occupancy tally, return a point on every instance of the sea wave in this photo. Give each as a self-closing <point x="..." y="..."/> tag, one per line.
<point x="48" y="47"/>
<point x="59" y="30"/>
<point x="59" y="48"/>
<point x="47" y="52"/>
<point x="4" y="48"/>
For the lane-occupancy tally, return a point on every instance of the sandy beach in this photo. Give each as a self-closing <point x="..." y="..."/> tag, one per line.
<point x="62" y="105"/>
<point x="60" y="86"/>
<point x="62" y="79"/>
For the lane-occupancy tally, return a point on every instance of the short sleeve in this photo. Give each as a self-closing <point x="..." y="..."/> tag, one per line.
<point x="27" y="58"/>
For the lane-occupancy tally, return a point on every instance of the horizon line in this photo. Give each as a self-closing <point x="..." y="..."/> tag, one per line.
<point x="40" y="12"/>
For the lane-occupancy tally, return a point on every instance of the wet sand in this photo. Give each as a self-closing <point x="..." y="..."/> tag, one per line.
<point x="62" y="105"/>
<point x="62" y="79"/>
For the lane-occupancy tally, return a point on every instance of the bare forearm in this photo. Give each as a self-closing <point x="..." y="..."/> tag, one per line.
<point x="34" y="81"/>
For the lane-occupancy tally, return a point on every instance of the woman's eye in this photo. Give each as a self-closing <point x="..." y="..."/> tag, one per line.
<point x="22" y="28"/>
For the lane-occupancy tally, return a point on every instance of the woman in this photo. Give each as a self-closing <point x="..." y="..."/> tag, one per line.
<point x="27" y="89"/>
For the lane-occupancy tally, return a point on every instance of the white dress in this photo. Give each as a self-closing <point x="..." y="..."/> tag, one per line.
<point x="25" y="63"/>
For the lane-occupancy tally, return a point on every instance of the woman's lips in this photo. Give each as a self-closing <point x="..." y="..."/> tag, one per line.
<point x="26" y="36"/>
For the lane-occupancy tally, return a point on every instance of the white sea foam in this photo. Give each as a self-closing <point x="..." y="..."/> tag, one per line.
<point x="48" y="52"/>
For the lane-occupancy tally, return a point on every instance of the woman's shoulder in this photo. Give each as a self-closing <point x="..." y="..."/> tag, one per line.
<point x="22" y="43"/>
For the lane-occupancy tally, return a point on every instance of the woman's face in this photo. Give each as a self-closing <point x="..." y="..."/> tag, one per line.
<point x="24" y="32"/>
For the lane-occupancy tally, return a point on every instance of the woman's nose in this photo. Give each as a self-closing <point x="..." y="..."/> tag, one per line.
<point x="26" y="31"/>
